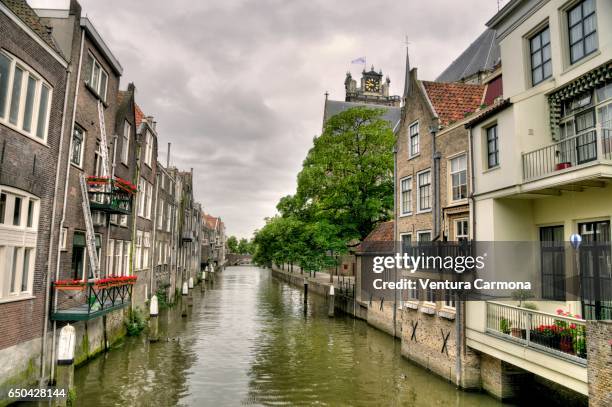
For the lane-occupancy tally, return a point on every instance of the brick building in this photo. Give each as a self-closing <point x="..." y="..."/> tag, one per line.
<point x="33" y="78"/>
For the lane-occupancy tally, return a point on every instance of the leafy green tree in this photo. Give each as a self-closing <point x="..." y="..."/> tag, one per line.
<point x="232" y="244"/>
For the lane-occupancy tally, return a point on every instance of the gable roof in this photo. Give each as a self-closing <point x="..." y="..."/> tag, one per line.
<point x="453" y="101"/>
<point x="333" y="107"/>
<point x="25" y="13"/>
<point x="139" y="114"/>
<point x="380" y="240"/>
<point x="481" y="56"/>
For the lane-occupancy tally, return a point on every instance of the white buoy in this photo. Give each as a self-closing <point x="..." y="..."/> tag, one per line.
<point x="154" y="307"/>
<point x="190" y="282"/>
<point x="331" y="290"/>
<point x="185" y="288"/>
<point x="67" y="340"/>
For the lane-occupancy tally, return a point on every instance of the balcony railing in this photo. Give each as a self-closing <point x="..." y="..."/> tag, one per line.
<point x="559" y="335"/>
<point x="110" y="195"/>
<point x="594" y="145"/>
<point x="79" y="300"/>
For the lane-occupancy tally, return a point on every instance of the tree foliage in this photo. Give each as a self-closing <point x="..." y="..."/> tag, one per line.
<point x="232" y="244"/>
<point x="344" y="188"/>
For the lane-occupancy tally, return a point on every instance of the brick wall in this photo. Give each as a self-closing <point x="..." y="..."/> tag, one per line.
<point x="599" y="350"/>
<point x="31" y="166"/>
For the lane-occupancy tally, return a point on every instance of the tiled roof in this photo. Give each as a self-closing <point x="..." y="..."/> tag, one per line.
<point x="139" y="115"/>
<point x="453" y="101"/>
<point x="482" y="55"/>
<point x="333" y="107"/>
<point x="383" y="232"/>
<point x="29" y="17"/>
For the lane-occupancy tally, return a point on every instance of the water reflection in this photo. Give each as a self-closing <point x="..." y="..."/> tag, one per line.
<point x="248" y="341"/>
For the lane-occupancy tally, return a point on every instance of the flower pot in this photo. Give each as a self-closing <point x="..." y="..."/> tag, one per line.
<point x="562" y="166"/>
<point x="516" y="332"/>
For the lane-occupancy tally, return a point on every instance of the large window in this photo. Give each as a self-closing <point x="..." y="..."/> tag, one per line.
<point x="24" y="98"/>
<point x="78" y="146"/>
<point x="541" y="61"/>
<point x="138" y="254"/>
<point x="413" y="139"/>
<point x="553" y="263"/>
<point x="406" y="195"/>
<point x="146" y="246"/>
<point x="96" y="77"/>
<point x="458" y="173"/>
<point x="492" y="147"/>
<point x="582" y="24"/>
<point x="461" y="230"/>
<point x="18" y="234"/>
<point x="424" y="191"/>
<point x="125" y="142"/>
<point x="145" y="199"/>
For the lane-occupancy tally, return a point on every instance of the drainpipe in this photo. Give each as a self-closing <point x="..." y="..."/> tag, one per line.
<point x="435" y="155"/>
<point x="59" y="243"/>
<point x="395" y="235"/>
<point x="51" y="235"/>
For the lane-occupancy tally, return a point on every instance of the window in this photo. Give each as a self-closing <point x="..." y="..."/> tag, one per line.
<point x="461" y="230"/>
<point x="109" y="257"/>
<point x="96" y="77"/>
<point x="169" y="217"/>
<point x="582" y="25"/>
<point x="424" y="237"/>
<point x="449" y="299"/>
<point x="78" y="140"/>
<point x="424" y="191"/>
<point x="123" y="220"/>
<point x="406" y="195"/>
<point x="24" y="98"/>
<point x="413" y="139"/>
<point x="98" y="166"/>
<point x="125" y="143"/>
<point x="148" y="148"/>
<point x="160" y="214"/>
<point x="458" y="169"/>
<point x="126" y="258"/>
<point x="118" y="258"/>
<point x="80" y="259"/>
<point x="552" y="259"/>
<point x="492" y="147"/>
<point x="541" y="63"/>
<point x="149" y="200"/>
<point x="114" y="219"/>
<point x="18" y="238"/>
<point x="146" y="246"/>
<point x="406" y="239"/>
<point x="138" y="254"/>
<point x="430" y="295"/>
<point x="413" y="293"/>
<point x="142" y="195"/>
<point x="63" y="236"/>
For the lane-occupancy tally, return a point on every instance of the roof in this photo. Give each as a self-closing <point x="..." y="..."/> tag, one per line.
<point x="484" y="114"/>
<point x="211" y="221"/>
<point x="482" y="55"/>
<point x="99" y="41"/>
<point x="31" y="19"/>
<point x="383" y="232"/>
<point x="379" y="240"/>
<point x="333" y="107"/>
<point x="139" y="115"/>
<point x="453" y="101"/>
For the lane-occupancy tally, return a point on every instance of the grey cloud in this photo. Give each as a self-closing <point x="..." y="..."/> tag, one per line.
<point x="237" y="85"/>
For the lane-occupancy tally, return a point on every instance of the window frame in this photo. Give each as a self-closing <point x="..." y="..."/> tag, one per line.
<point x="40" y="82"/>
<point x="532" y="52"/>
<point x="456" y="222"/>
<point x="451" y="173"/>
<point x="489" y="153"/>
<point x="90" y="77"/>
<point x="418" y="184"/>
<point x="582" y="39"/>
<point x="82" y="148"/>
<point x="558" y="277"/>
<point x="404" y="212"/>
<point x="416" y="135"/>
<point x="125" y="142"/>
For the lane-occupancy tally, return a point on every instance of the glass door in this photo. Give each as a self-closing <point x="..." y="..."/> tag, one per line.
<point x="596" y="270"/>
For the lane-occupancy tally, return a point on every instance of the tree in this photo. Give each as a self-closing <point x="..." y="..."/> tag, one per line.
<point x="243" y="246"/>
<point x="232" y="244"/>
<point x="347" y="176"/>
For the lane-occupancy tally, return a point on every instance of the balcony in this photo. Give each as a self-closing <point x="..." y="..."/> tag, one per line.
<point x="110" y="195"/>
<point x="80" y="300"/>
<point x="558" y="335"/>
<point x="187" y="236"/>
<point x="592" y="147"/>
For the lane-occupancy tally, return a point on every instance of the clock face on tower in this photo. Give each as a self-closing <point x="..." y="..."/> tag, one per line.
<point x="372" y="85"/>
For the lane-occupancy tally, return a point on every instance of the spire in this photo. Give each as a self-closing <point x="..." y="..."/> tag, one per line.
<point x="407" y="73"/>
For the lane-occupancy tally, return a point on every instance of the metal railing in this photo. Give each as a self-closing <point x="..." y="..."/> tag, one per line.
<point x="571" y="152"/>
<point x="558" y="335"/>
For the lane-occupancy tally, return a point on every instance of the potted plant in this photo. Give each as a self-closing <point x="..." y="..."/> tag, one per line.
<point x="504" y="326"/>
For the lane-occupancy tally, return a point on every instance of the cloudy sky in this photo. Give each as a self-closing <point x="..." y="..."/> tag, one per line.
<point x="237" y="85"/>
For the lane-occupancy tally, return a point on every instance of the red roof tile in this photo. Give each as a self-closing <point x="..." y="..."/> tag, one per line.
<point x="453" y="101"/>
<point x="383" y="232"/>
<point x="139" y="115"/>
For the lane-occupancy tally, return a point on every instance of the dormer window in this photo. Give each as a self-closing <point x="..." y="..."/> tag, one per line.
<point x="96" y="77"/>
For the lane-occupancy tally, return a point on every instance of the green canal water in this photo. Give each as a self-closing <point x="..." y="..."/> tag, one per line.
<point x="247" y="341"/>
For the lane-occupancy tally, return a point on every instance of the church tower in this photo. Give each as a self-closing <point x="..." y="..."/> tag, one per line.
<point x="372" y="89"/>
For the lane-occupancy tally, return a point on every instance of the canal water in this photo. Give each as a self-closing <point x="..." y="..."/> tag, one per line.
<point x="247" y="341"/>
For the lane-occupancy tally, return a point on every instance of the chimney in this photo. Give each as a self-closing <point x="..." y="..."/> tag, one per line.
<point x="168" y="156"/>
